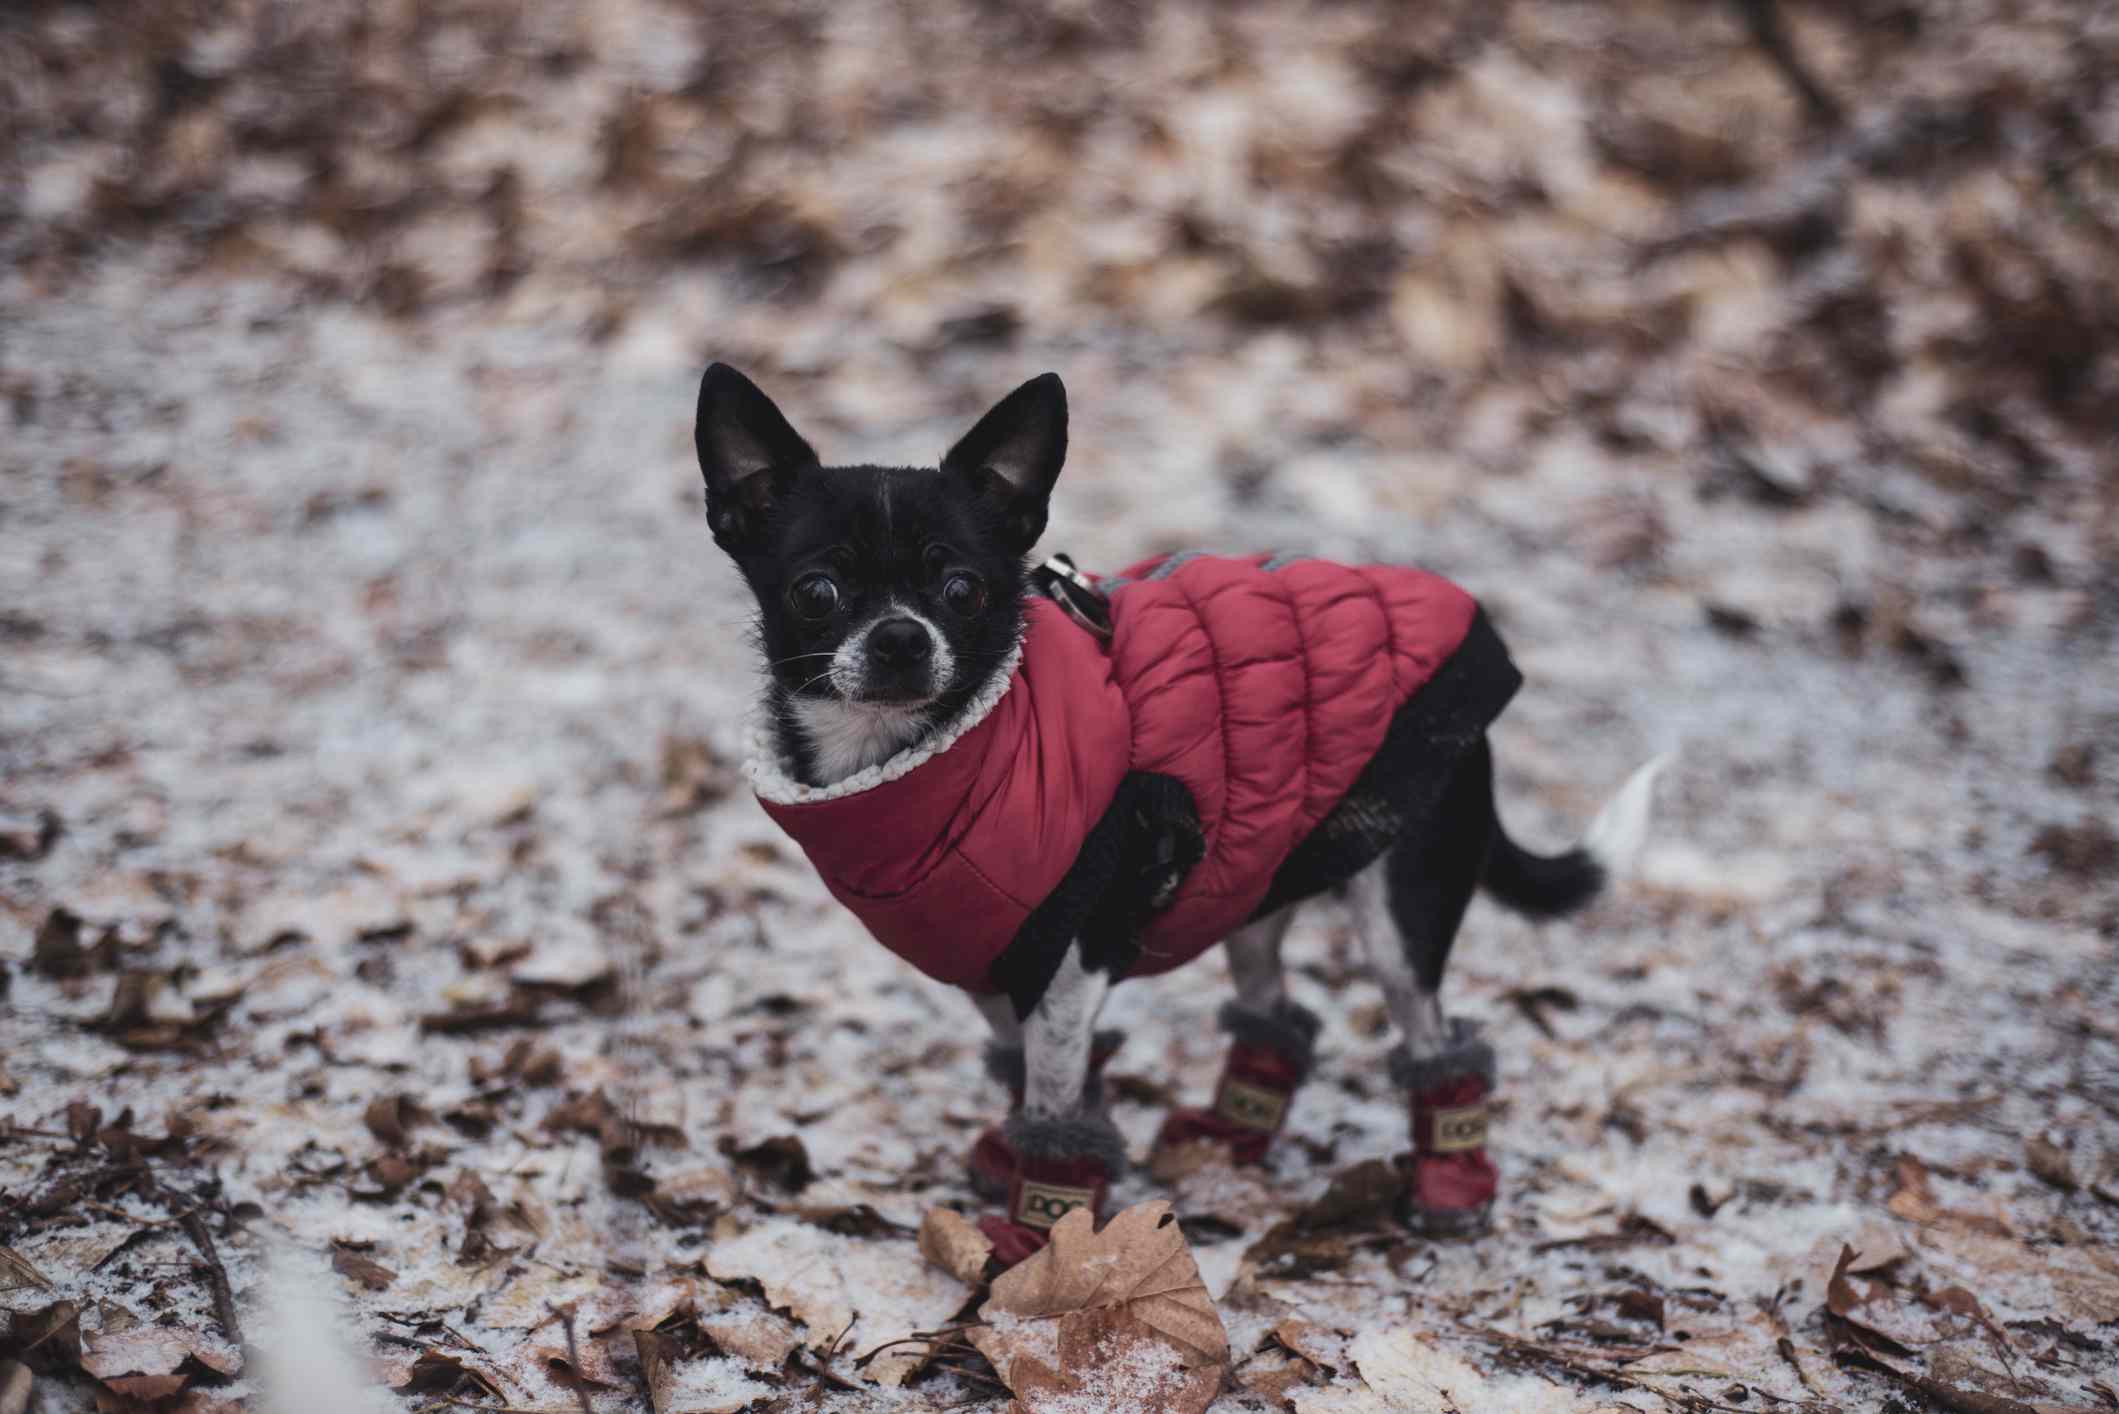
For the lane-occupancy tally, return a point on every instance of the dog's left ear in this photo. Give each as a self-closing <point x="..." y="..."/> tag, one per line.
<point x="1014" y="455"/>
<point x="747" y="452"/>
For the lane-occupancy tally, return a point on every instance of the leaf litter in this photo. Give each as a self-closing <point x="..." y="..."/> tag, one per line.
<point x="374" y="874"/>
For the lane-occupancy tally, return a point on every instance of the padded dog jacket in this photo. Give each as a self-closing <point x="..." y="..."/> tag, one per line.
<point x="1267" y="687"/>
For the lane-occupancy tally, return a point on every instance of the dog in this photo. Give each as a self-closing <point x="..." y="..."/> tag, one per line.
<point x="1032" y="783"/>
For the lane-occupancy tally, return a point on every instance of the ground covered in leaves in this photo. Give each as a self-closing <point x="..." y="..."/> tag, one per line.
<point x="376" y="881"/>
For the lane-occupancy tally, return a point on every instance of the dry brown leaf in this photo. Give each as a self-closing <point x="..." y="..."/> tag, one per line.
<point x="1273" y="1373"/>
<point x="1914" y="1199"/>
<point x="51" y="1336"/>
<point x="763" y="1341"/>
<point x="146" y="1388"/>
<point x="389" y="1117"/>
<point x="1363" y="1193"/>
<point x="1323" y="1348"/>
<point x="368" y="1272"/>
<point x="1113" y="1361"/>
<point x="1416" y="1377"/>
<point x="2050" y="1162"/>
<point x="17" y="1271"/>
<point x="1172" y="1163"/>
<point x="1139" y="1261"/>
<point x="1868" y="1310"/>
<point x="825" y="1280"/>
<point x="654" y="1368"/>
<point x="153" y="1352"/>
<point x="952" y="1242"/>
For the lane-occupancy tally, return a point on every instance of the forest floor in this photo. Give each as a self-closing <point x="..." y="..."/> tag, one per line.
<point x="377" y="881"/>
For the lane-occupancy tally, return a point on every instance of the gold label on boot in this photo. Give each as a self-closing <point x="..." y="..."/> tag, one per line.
<point x="1044" y="1204"/>
<point x="1460" y="1129"/>
<point x="1251" y="1106"/>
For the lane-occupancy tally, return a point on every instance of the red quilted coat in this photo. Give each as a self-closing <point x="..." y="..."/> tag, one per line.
<point x="1265" y="687"/>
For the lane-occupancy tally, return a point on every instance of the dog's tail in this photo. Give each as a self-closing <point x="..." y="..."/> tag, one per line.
<point x="1551" y="886"/>
<point x="306" y="1359"/>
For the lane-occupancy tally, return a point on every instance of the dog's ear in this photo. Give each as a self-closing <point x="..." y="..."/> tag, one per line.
<point x="747" y="452"/>
<point x="1014" y="455"/>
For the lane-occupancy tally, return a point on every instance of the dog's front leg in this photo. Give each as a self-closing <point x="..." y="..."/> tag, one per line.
<point x="1057" y="1036"/>
<point x="1066" y="1150"/>
<point x="991" y="1163"/>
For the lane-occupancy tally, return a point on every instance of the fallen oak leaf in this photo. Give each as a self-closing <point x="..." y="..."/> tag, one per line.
<point x="1112" y="1361"/>
<point x="1138" y="1261"/>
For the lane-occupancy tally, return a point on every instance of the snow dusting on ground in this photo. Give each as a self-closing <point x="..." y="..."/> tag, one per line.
<point x="376" y="882"/>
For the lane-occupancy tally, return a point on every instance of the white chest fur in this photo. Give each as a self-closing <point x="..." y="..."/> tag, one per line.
<point x="845" y="737"/>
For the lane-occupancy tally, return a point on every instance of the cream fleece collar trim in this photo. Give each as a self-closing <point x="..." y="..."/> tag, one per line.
<point x="773" y="779"/>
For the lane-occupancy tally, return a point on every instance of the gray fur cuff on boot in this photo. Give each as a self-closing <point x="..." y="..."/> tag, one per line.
<point x="1286" y="1028"/>
<point x="1075" y="1136"/>
<point x="1466" y="1053"/>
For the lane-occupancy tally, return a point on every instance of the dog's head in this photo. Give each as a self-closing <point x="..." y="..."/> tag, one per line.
<point x="895" y="590"/>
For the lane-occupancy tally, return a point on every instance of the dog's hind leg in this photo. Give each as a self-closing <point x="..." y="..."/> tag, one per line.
<point x="1272" y="1045"/>
<point x="1066" y="1150"/>
<point x="1408" y="908"/>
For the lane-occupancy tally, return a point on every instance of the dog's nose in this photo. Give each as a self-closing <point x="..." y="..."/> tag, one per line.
<point x="900" y="643"/>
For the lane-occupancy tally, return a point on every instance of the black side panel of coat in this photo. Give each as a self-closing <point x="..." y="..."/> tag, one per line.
<point x="1406" y="777"/>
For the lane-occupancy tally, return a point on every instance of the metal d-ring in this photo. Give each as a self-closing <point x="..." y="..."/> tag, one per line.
<point x="1076" y="594"/>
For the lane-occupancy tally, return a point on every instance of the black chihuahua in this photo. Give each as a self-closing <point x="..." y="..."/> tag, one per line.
<point x="1031" y="783"/>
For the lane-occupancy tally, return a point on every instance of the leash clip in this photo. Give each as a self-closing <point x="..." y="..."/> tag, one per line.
<point x="1076" y="594"/>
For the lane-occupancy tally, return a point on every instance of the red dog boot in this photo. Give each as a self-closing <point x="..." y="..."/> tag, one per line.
<point x="1451" y="1184"/>
<point x="1271" y="1054"/>
<point x="992" y="1161"/>
<point x="1060" y="1165"/>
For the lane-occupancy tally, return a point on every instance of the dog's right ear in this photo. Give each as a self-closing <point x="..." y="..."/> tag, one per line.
<point x="747" y="452"/>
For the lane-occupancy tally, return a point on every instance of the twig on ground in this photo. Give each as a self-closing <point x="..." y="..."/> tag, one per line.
<point x="1561" y="1359"/>
<point x="565" y="1316"/>
<point x="216" y="1275"/>
<point x="1942" y="1396"/>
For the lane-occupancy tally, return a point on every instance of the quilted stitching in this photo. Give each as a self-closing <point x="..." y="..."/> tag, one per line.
<point x="1278" y="756"/>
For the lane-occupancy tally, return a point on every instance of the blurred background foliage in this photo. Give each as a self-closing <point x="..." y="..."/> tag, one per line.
<point x="1893" y="220"/>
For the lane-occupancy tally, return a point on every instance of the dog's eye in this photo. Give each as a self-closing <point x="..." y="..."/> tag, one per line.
<point x="814" y="596"/>
<point x="963" y="594"/>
